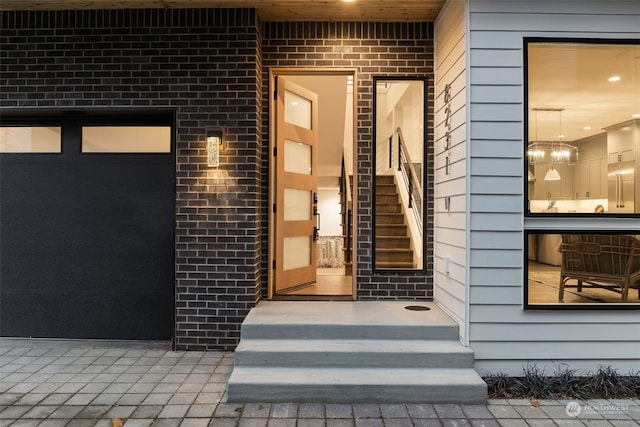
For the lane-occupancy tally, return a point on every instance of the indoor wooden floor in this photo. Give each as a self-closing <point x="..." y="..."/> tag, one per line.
<point x="544" y="285"/>
<point x="330" y="282"/>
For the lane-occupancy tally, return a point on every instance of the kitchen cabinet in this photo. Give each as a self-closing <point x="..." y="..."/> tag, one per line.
<point x="623" y="148"/>
<point x="590" y="179"/>
<point x="553" y="190"/>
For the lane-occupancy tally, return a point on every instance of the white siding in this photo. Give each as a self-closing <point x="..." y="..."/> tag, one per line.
<point x="450" y="287"/>
<point x="503" y="335"/>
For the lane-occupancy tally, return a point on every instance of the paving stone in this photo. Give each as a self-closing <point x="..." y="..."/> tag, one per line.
<point x="484" y="423"/>
<point x="394" y="411"/>
<point x="363" y="410"/>
<point x="201" y="411"/>
<point x="228" y="410"/>
<point x="147" y="411"/>
<point x="311" y="410"/>
<point x="427" y="422"/>
<point x="369" y="422"/>
<point x="284" y="410"/>
<point x="448" y="411"/>
<point x="541" y="423"/>
<point x="313" y="422"/>
<point x="338" y="410"/>
<point x="256" y="410"/>
<point x="93" y="412"/>
<point x="253" y="422"/>
<point x="341" y="422"/>
<point x="194" y="422"/>
<point x="174" y="411"/>
<point x="476" y="411"/>
<point x="510" y="422"/>
<point x="421" y="411"/>
<point x="223" y="422"/>
<point x="281" y="422"/>
<point x="455" y="422"/>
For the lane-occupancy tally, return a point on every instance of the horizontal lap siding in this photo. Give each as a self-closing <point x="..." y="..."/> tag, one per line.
<point x="502" y="334"/>
<point x="451" y="225"/>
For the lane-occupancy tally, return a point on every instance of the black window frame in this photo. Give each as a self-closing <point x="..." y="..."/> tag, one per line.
<point x="559" y="222"/>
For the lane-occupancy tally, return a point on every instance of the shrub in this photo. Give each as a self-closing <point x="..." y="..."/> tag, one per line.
<point x="564" y="383"/>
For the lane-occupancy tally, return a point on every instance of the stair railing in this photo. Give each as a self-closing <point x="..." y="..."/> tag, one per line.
<point x="410" y="177"/>
<point x="345" y="195"/>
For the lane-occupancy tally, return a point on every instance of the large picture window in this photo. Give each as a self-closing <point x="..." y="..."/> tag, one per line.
<point x="583" y="133"/>
<point x="582" y="160"/>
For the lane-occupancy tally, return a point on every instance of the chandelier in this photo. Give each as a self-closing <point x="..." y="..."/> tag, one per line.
<point x="552" y="152"/>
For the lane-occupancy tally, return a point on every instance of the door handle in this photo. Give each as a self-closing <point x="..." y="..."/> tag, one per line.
<point x="315" y="233"/>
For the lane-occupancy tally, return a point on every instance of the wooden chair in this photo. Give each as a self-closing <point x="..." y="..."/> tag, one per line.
<point x="602" y="261"/>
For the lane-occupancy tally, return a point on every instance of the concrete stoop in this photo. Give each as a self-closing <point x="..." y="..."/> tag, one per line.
<point x="352" y="352"/>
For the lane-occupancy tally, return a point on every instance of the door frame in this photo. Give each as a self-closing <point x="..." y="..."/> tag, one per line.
<point x="287" y="71"/>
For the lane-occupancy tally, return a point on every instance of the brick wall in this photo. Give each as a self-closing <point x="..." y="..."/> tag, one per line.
<point x="202" y="65"/>
<point x="373" y="49"/>
<point x="210" y="67"/>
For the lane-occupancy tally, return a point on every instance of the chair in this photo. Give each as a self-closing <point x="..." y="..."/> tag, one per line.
<point x="603" y="261"/>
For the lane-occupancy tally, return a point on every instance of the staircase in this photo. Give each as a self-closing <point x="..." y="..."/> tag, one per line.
<point x="352" y="352"/>
<point x="346" y="216"/>
<point x="393" y="243"/>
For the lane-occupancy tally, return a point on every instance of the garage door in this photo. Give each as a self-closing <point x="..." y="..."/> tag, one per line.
<point x="86" y="228"/>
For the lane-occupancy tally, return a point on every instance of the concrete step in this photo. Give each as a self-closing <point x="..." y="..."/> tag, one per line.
<point x="352" y="353"/>
<point x="356" y="385"/>
<point x="332" y="320"/>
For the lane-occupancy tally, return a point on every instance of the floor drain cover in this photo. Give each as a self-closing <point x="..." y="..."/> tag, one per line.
<point x="417" y="308"/>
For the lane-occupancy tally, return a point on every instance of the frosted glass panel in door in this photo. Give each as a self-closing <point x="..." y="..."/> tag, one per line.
<point x="297" y="205"/>
<point x="297" y="157"/>
<point x="297" y="252"/>
<point x="297" y="110"/>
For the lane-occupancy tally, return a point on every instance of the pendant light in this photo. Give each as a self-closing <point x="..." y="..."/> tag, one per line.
<point x="552" y="175"/>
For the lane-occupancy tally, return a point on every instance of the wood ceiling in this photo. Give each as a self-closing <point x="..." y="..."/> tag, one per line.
<point x="269" y="10"/>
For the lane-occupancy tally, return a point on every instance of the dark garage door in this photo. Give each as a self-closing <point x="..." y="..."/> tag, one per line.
<point x="87" y="243"/>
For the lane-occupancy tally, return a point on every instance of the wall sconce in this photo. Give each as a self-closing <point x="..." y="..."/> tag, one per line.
<point x="214" y="146"/>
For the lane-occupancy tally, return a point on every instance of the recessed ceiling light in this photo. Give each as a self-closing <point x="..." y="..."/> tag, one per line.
<point x="586" y="128"/>
<point x="636" y="116"/>
<point x="614" y="78"/>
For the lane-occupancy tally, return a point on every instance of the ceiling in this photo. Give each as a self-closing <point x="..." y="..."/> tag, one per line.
<point x="269" y="10"/>
<point x="569" y="83"/>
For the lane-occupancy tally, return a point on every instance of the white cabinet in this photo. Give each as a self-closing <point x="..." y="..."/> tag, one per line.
<point x="553" y="190"/>
<point x="621" y="156"/>
<point x="590" y="179"/>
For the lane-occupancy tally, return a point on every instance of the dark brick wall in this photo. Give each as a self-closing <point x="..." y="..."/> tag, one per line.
<point x="205" y="66"/>
<point x="373" y="49"/>
<point x="210" y="67"/>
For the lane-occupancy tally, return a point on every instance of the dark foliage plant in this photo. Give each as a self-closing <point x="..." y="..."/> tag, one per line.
<point x="564" y="383"/>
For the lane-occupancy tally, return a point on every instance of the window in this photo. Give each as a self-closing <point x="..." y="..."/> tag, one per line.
<point x="399" y="169"/>
<point x="126" y="139"/>
<point x="30" y="139"/>
<point x="582" y="159"/>
<point x="583" y="145"/>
